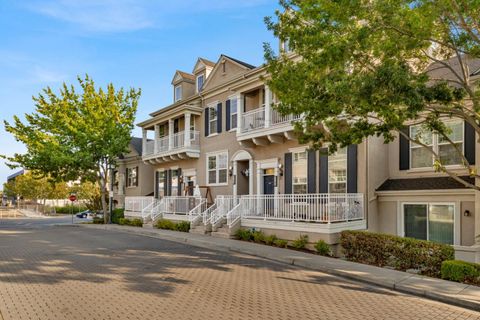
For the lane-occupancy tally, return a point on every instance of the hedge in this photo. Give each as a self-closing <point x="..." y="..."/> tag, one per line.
<point x="183" y="226"/>
<point x="130" y="222"/>
<point x="68" y="209"/>
<point x="117" y="214"/>
<point x="398" y="252"/>
<point x="461" y="271"/>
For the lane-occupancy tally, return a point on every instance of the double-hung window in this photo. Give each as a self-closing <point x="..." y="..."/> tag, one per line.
<point x="200" y="80"/>
<point x="337" y="171"/>
<point x="212" y="119"/>
<point x="429" y="221"/>
<point x="217" y="168"/>
<point x="420" y="157"/>
<point x="299" y="172"/>
<point x="132" y="177"/>
<point x="233" y="113"/>
<point x="178" y="93"/>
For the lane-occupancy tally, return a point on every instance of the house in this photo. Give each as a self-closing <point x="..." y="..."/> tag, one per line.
<point x="133" y="182"/>
<point x="223" y="158"/>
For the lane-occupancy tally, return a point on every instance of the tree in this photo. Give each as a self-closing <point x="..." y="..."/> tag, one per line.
<point x="76" y="136"/>
<point x="365" y="68"/>
<point x="89" y="192"/>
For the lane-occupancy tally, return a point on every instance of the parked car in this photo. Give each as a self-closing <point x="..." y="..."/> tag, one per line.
<point x="84" y="214"/>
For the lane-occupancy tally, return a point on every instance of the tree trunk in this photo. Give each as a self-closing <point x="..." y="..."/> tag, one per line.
<point x="103" y="193"/>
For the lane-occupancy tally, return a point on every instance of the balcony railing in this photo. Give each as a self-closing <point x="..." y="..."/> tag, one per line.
<point x="176" y="142"/>
<point x="316" y="208"/>
<point x="257" y="119"/>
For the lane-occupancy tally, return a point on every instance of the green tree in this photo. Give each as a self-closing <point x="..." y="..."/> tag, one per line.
<point x="76" y="135"/>
<point x="89" y="192"/>
<point x="364" y="68"/>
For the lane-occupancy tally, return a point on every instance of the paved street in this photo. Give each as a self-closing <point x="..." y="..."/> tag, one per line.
<point x="63" y="272"/>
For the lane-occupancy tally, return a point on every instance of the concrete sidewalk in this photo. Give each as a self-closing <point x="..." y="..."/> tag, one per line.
<point x="441" y="290"/>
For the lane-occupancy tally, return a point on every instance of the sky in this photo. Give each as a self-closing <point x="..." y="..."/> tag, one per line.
<point x="130" y="43"/>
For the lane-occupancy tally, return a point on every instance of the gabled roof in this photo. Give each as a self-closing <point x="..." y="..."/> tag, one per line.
<point x="137" y="144"/>
<point x="432" y="183"/>
<point x="222" y="57"/>
<point x="181" y="75"/>
<point x="202" y="63"/>
<point x="438" y="71"/>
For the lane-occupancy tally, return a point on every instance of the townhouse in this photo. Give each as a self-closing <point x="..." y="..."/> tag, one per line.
<point x="223" y="158"/>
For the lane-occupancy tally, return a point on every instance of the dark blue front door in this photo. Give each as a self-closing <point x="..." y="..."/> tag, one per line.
<point x="268" y="184"/>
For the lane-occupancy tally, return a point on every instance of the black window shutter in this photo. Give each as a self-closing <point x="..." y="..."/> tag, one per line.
<point x="179" y="172"/>
<point x="323" y="171"/>
<point x="156" y="191"/>
<point x="138" y="177"/>
<point x="288" y="173"/>
<point x="312" y="171"/>
<point x="404" y="149"/>
<point x="227" y="115"/>
<point x="165" y="183"/>
<point x="169" y="182"/>
<point x="352" y="151"/>
<point x="469" y="137"/>
<point x="219" y="118"/>
<point x="207" y="131"/>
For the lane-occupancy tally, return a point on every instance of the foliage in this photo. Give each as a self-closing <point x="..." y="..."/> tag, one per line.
<point x="89" y="192"/>
<point x="98" y="220"/>
<point x="461" y="271"/>
<point x="323" y="248"/>
<point x="258" y="236"/>
<point x="398" y="252"/>
<point x="31" y="187"/>
<point x="70" y="209"/>
<point x="76" y="135"/>
<point x="117" y="214"/>
<point x="281" y="243"/>
<point x="130" y="222"/>
<point x="269" y="240"/>
<point x="183" y="226"/>
<point x="364" y="68"/>
<point x="244" y="234"/>
<point x="301" y="242"/>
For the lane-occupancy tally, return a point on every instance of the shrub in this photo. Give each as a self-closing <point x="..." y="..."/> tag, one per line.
<point x="244" y="234"/>
<point x="270" y="240"/>
<point x="323" y="248"/>
<point x="258" y="236"/>
<point x="398" y="252"/>
<point x="117" y="214"/>
<point x="97" y="220"/>
<point x="461" y="271"/>
<point x="300" y="243"/>
<point x="136" y="222"/>
<point x="122" y="221"/>
<point x="183" y="226"/>
<point x="280" y="243"/>
<point x="165" y="224"/>
<point x="69" y="210"/>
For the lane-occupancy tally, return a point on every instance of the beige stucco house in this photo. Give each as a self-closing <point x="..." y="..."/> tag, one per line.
<point x="221" y="134"/>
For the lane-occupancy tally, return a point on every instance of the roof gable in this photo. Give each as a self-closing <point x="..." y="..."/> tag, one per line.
<point x="181" y="75"/>
<point x="226" y="69"/>
<point x="202" y="64"/>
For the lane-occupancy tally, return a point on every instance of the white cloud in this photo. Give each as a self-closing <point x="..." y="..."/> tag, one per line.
<point x="43" y="75"/>
<point x="111" y="16"/>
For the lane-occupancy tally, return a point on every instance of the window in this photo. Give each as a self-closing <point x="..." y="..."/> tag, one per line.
<point x="162" y="130"/>
<point x="178" y="93"/>
<point x="337" y="171"/>
<point x="160" y="184"/>
<point x="233" y="113"/>
<point x="132" y="177"/>
<point x="422" y="158"/>
<point x="174" y="187"/>
<point x="217" y="168"/>
<point x="428" y="221"/>
<point x="299" y="174"/>
<point x="200" y="80"/>
<point x="212" y="120"/>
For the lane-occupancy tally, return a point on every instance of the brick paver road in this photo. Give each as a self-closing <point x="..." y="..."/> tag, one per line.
<point x="78" y="273"/>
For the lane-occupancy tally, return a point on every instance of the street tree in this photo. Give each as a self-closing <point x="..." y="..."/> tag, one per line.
<point x="76" y="135"/>
<point x="366" y="68"/>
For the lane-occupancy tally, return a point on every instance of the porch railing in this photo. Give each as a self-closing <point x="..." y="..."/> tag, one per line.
<point x="137" y="204"/>
<point x="162" y="144"/>
<point x="178" y="142"/>
<point x="319" y="208"/>
<point x="175" y="205"/>
<point x="224" y="205"/>
<point x="277" y="118"/>
<point x="150" y="148"/>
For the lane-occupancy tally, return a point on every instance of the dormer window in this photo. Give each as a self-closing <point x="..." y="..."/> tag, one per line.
<point x="178" y="93"/>
<point x="285" y="46"/>
<point x="200" y="80"/>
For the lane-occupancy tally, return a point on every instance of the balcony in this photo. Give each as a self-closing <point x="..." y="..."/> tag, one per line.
<point x="180" y="145"/>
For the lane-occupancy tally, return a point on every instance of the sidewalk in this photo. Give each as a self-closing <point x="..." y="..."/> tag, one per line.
<point x="441" y="290"/>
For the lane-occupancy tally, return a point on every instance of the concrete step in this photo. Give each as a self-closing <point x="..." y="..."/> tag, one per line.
<point x="224" y="235"/>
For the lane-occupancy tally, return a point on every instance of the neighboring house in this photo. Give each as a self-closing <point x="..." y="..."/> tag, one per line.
<point x="133" y="178"/>
<point x="222" y="134"/>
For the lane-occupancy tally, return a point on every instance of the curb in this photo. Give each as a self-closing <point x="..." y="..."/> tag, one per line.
<point x="371" y="275"/>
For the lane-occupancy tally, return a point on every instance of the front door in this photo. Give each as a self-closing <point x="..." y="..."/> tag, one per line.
<point x="268" y="184"/>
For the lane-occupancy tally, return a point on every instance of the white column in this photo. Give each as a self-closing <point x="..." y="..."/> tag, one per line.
<point x="239" y="113"/>
<point x="250" y="177"/>
<point x="170" y="134"/>
<point x="235" y="177"/>
<point x="144" y="141"/>
<point x="259" y="179"/>
<point x="187" y="129"/>
<point x="268" y="107"/>
<point x="157" y="133"/>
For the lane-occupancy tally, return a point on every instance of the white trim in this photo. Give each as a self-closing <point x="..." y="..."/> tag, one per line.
<point x="189" y="172"/>
<point x="420" y="193"/>
<point x="297" y="149"/>
<point x="175" y="98"/>
<point x="241" y="155"/>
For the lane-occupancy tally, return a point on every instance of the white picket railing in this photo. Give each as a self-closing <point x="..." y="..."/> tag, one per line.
<point x="318" y="208"/>
<point x="162" y="144"/>
<point x="150" y="148"/>
<point x="147" y="211"/>
<point x="177" y="142"/>
<point x="137" y="204"/>
<point x="224" y="205"/>
<point x="195" y="214"/>
<point x="277" y="118"/>
<point x="235" y="214"/>
<point x="175" y="205"/>
<point x="253" y="119"/>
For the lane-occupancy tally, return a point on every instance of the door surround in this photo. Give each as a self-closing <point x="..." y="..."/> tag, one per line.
<point x="267" y="164"/>
<point x="242" y="155"/>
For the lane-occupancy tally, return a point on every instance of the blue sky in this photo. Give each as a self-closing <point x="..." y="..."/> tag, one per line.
<point x="132" y="43"/>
